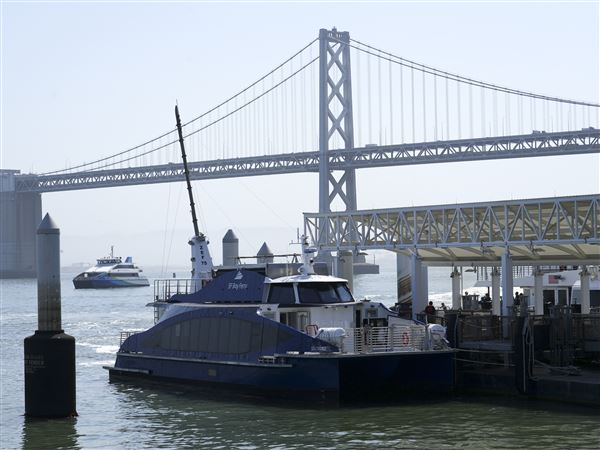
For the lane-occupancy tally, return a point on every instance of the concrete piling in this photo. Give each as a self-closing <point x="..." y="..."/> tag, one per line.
<point x="49" y="353"/>
<point x="456" y="294"/>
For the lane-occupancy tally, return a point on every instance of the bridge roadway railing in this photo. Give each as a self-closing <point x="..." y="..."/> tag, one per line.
<point x="538" y="231"/>
<point x="529" y="145"/>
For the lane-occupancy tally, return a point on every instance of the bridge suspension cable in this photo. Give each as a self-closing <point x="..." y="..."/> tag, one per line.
<point x="253" y="85"/>
<point x="169" y="138"/>
<point x="249" y="102"/>
<point x="393" y="104"/>
<point x="424" y="103"/>
<point x="455" y="77"/>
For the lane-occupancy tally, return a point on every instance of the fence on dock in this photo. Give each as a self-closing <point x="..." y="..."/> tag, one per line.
<point x="558" y="338"/>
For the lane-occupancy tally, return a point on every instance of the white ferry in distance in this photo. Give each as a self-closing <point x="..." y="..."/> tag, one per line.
<point x="111" y="272"/>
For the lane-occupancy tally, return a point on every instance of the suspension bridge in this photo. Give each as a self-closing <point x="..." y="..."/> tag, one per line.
<point x="334" y="106"/>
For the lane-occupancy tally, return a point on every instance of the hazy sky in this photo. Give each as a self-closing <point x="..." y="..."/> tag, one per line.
<point x="84" y="80"/>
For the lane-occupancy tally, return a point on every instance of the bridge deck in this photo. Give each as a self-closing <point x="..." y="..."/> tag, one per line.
<point x="520" y="146"/>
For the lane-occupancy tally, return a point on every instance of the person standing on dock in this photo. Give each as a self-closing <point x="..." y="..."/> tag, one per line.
<point x="430" y="311"/>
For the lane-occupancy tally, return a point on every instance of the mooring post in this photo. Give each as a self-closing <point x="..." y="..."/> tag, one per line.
<point x="49" y="353"/>
<point x="522" y="345"/>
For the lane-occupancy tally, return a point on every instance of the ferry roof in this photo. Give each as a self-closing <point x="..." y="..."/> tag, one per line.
<point x="304" y="278"/>
<point x="113" y="268"/>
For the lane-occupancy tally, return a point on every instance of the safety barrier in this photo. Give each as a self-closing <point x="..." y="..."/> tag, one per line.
<point x="387" y="339"/>
<point x="166" y="288"/>
<point x="124" y="336"/>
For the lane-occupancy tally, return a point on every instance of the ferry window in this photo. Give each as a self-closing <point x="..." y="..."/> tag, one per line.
<point x="269" y="338"/>
<point x="323" y="293"/>
<point x="194" y="335"/>
<point x="204" y="328"/>
<point x="282" y="294"/>
<point x="222" y="344"/>
<point x="184" y="340"/>
<point x="244" y="336"/>
<point x="234" y="340"/>
<point x="302" y="320"/>
<point x="298" y="319"/>
<point x="256" y="337"/>
<point x="343" y="293"/>
<point x="214" y="335"/>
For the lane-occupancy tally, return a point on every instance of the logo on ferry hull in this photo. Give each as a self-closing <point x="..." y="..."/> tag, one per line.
<point x="235" y="285"/>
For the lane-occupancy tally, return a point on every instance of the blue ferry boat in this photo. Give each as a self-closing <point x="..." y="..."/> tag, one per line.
<point x="300" y="336"/>
<point x="111" y="272"/>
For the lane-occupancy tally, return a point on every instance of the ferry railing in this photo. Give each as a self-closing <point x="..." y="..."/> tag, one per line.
<point x="124" y="336"/>
<point x="166" y="288"/>
<point x="387" y="339"/>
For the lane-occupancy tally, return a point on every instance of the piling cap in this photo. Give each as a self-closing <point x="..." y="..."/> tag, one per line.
<point x="48" y="226"/>
<point x="265" y="250"/>
<point x="230" y="237"/>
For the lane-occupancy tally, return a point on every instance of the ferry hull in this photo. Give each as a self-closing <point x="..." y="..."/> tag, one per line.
<point x="327" y="379"/>
<point x="88" y="283"/>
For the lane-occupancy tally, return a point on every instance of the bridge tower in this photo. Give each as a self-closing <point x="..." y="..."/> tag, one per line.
<point x="20" y="215"/>
<point x="335" y="117"/>
<point x="335" y="124"/>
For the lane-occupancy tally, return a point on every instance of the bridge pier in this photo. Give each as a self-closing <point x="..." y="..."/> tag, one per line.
<point x="413" y="283"/>
<point x="496" y="304"/>
<point x="419" y="285"/>
<point x="20" y="214"/>
<point x="345" y="267"/>
<point x="456" y="294"/>
<point x="585" y="290"/>
<point x="507" y="282"/>
<point x="538" y="291"/>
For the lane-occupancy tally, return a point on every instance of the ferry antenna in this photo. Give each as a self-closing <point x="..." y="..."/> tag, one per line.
<point x="187" y="174"/>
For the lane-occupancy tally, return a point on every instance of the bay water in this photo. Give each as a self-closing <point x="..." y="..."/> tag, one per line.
<point x="133" y="416"/>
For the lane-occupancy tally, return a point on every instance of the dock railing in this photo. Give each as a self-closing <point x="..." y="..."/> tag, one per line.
<point x="559" y="338"/>
<point x="484" y="327"/>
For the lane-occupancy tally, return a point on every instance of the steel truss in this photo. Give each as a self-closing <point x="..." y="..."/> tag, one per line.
<point x="543" y="230"/>
<point x="542" y="144"/>
<point x="335" y="118"/>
